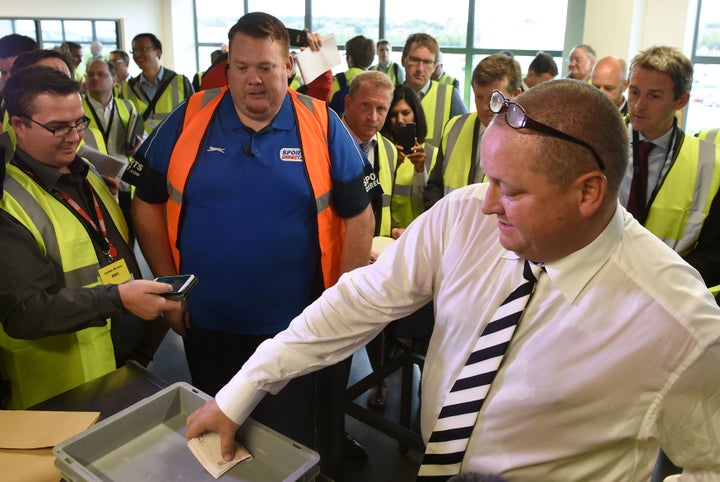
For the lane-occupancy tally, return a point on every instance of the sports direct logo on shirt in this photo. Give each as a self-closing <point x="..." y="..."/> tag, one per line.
<point x="291" y="154"/>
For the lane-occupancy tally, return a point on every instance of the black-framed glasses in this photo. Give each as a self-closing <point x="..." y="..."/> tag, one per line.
<point x="517" y="118"/>
<point x="63" y="131"/>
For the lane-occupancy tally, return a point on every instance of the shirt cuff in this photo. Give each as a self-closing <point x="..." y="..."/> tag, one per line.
<point x="238" y="399"/>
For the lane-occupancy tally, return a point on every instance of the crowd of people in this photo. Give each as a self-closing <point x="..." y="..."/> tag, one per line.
<point x="582" y="198"/>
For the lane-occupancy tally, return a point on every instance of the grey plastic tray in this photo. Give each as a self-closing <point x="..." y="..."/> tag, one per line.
<point x="146" y="441"/>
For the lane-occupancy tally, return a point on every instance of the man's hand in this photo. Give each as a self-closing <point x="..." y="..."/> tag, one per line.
<point x="179" y="321"/>
<point x="209" y="417"/>
<point x="113" y="183"/>
<point x="314" y="41"/>
<point x="142" y="298"/>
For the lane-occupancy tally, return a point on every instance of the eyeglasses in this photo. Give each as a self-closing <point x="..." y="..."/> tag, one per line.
<point x="417" y="60"/>
<point x="63" y="131"/>
<point x="140" y="50"/>
<point x="517" y="118"/>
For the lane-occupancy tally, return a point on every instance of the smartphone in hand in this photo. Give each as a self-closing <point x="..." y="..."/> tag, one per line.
<point x="406" y="137"/>
<point x="298" y="38"/>
<point x="181" y="284"/>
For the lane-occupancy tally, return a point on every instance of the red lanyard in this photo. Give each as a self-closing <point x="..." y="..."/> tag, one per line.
<point x="111" y="251"/>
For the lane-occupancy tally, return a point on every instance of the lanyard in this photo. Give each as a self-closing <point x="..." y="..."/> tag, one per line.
<point x="99" y="233"/>
<point x="110" y="251"/>
<point x="104" y="131"/>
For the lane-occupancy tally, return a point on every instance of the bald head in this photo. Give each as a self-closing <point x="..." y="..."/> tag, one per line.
<point x="610" y="76"/>
<point x="564" y="104"/>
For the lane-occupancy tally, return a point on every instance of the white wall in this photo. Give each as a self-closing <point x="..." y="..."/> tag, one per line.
<point x="623" y="27"/>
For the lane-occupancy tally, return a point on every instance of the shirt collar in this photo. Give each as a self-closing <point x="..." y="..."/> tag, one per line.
<point x="49" y="176"/>
<point x="158" y="79"/>
<point x="572" y="273"/>
<point x="96" y="105"/>
<point x="284" y="119"/>
<point x="373" y="140"/>
<point x="421" y="93"/>
<point x="662" y="141"/>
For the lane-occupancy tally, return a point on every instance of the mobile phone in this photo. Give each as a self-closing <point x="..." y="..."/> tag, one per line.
<point x="406" y="137"/>
<point x="181" y="285"/>
<point x="298" y="38"/>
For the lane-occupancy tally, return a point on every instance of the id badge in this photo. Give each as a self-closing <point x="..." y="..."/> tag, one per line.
<point x="115" y="273"/>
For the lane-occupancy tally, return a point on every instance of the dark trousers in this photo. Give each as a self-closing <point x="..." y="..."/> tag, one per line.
<point x="300" y="411"/>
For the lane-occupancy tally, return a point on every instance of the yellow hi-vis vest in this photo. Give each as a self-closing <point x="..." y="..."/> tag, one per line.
<point x="459" y="147"/>
<point x="712" y="135"/>
<point x="387" y="160"/>
<point x="392" y="71"/>
<point x="123" y="106"/>
<point x="403" y="209"/>
<point x="436" y="104"/>
<point x="40" y="369"/>
<point x="170" y="97"/>
<point x="678" y="211"/>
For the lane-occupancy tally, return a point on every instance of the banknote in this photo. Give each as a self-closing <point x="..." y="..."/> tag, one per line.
<point x="206" y="449"/>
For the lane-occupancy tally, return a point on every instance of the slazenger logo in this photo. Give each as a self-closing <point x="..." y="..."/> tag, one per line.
<point x="291" y="154"/>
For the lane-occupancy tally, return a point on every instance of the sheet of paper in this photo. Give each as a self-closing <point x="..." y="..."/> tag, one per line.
<point x="313" y="64"/>
<point x="380" y="243"/>
<point x="106" y="165"/>
<point x="206" y="448"/>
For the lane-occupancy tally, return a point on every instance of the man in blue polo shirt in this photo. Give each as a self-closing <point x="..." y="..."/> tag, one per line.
<point x="264" y="196"/>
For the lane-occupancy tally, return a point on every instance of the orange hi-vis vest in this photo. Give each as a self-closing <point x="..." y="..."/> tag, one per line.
<point x="312" y="121"/>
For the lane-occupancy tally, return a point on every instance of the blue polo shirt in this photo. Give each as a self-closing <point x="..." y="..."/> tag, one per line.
<point x="249" y="225"/>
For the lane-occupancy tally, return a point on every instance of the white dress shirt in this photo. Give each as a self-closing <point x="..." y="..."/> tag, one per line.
<point x="616" y="355"/>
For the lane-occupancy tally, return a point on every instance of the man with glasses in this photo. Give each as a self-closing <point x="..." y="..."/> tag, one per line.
<point x="65" y="317"/>
<point x="458" y="162"/>
<point x="156" y="91"/>
<point x="439" y="101"/>
<point x="121" y="61"/>
<point x="609" y="349"/>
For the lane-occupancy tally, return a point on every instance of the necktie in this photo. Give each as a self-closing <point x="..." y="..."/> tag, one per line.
<point x="366" y="147"/>
<point x="446" y="448"/>
<point x="638" y="188"/>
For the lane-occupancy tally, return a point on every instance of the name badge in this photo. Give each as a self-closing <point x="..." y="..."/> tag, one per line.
<point x="115" y="273"/>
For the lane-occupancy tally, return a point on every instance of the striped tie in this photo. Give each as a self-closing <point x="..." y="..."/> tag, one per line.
<point x="446" y="448"/>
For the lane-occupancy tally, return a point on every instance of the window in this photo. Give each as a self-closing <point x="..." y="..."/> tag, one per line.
<point x="466" y="30"/>
<point x="704" y="106"/>
<point x="51" y="33"/>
